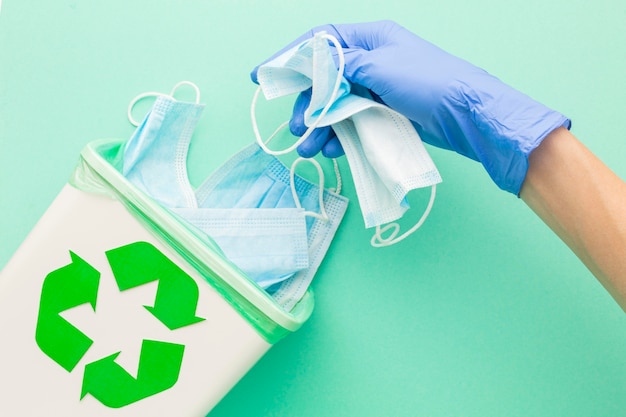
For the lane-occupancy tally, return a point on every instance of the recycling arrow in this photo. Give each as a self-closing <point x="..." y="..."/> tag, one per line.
<point x="177" y="293"/>
<point x="65" y="288"/>
<point x="113" y="386"/>
<point x="77" y="283"/>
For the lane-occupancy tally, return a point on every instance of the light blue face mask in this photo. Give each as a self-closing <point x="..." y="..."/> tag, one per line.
<point x="159" y="145"/>
<point x="386" y="155"/>
<point x="253" y="182"/>
<point x="274" y="225"/>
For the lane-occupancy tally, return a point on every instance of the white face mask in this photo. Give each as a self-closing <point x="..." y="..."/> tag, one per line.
<point x="385" y="153"/>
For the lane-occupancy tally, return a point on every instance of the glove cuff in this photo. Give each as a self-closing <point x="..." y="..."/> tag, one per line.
<point x="499" y="127"/>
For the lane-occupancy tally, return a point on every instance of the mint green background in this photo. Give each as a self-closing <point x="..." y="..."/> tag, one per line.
<point x="483" y="312"/>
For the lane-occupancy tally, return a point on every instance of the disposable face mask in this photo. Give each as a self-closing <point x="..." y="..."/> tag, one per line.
<point x="155" y="157"/>
<point x="269" y="245"/>
<point x="385" y="154"/>
<point x="267" y="221"/>
<point x="253" y="181"/>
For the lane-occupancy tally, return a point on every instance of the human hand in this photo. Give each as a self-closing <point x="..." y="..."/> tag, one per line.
<point x="452" y="103"/>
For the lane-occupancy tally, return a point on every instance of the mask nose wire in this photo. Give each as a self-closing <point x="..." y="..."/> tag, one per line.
<point x="134" y="101"/>
<point x="335" y="91"/>
<point x="292" y="183"/>
<point x="378" y="241"/>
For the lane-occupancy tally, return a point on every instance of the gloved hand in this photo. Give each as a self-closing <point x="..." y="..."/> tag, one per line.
<point x="452" y="103"/>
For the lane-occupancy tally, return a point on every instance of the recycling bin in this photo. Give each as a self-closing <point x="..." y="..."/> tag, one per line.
<point x="113" y="307"/>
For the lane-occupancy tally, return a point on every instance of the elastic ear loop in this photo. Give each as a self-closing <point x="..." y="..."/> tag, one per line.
<point x="322" y="214"/>
<point x="337" y="189"/>
<point x="141" y="96"/>
<point x="292" y="174"/>
<point x="378" y="241"/>
<point x="255" y="127"/>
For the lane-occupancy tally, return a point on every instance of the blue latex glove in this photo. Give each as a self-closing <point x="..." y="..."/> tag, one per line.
<point x="452" y="103"/>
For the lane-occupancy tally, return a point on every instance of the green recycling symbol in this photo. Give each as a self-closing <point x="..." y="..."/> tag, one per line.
<point x="77" y="283"/>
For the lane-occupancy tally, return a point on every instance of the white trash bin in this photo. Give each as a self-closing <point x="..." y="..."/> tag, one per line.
<point x="111" y="307"/>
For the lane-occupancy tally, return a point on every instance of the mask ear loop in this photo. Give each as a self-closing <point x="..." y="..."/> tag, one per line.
<point x="131" y="105"/>
<point x="255" y="127"/>
<point x="322" y="214"/>
<point x="337" y="189"/>
<point x="189" y="83"/>
<point x="378" y="241"/>
<point x="134" y="101"/>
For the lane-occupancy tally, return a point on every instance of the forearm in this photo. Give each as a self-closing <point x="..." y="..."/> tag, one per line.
<point x="584" y="203"/>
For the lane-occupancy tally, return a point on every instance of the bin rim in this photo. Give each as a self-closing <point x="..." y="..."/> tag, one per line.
<point x="99" y="157"/>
